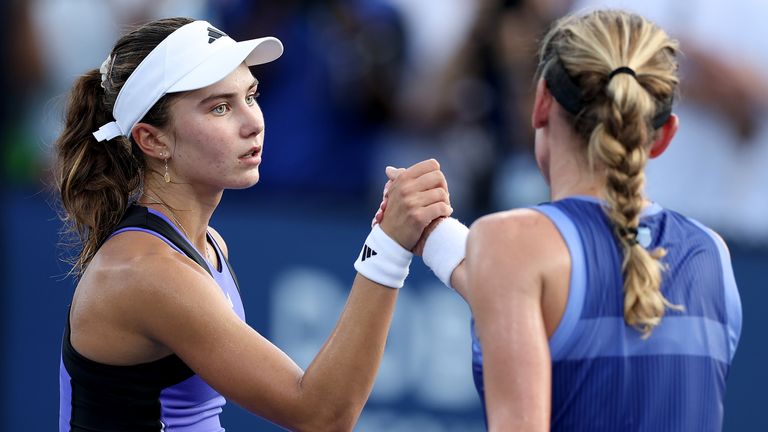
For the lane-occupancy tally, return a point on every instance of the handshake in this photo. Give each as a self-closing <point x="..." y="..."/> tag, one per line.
<point x="413" y="218"/>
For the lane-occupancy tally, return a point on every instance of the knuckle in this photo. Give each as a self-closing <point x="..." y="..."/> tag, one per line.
<point x="403" y="189"/>
<point x="423" y="219"/>
<point x="397" y="193"/>
<point x="409" y="204"/>
<point x="439" y="210"/>
<point x="439" y="180"/>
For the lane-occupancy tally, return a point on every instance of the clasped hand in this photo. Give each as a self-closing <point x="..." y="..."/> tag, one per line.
<point x="415" y="199"/>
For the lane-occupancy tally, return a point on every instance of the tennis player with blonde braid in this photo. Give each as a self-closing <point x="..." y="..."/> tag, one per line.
<point x="600" y="310"/>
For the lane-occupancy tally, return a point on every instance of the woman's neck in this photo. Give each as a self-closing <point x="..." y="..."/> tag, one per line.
<point x="570" y="175"/>
<point x="560" y="192"/>
<point x="190" y="211"/>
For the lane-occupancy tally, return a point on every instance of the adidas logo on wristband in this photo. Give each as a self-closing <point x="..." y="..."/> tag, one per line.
<point x="367" y="253"/>
<point x="390" y="268"/>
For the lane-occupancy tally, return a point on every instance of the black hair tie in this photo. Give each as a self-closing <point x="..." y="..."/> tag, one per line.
<point x="568" y="94"/>
<point x="629" y="234"/>
<point x="620" y="70"/>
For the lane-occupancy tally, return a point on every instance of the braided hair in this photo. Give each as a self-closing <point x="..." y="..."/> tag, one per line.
<point x="615" y="73"/>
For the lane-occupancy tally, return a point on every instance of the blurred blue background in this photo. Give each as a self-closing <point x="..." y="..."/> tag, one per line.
<point x="364" y="84"/>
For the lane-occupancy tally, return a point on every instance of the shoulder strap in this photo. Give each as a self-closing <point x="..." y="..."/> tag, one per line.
<point x="140" y="217"/>
<point x="226" y="261"/>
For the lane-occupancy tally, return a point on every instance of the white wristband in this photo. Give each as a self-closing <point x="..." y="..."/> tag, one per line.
<point x="383" y="260"/>
<point x="445" y="248"/>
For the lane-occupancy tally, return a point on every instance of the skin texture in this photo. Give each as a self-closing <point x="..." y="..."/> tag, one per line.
<point x="518" y="268"/>
<point x="140" y="300"/>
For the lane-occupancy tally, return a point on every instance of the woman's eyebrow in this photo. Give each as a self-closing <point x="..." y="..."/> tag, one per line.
<point x="230" y="95"/>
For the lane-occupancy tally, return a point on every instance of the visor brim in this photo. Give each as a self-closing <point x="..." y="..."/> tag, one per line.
<point x="218" y="66"/>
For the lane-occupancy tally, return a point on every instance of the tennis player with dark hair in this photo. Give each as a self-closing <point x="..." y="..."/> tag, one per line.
<point x="600" y="310"/>
<point x="155" y="337"/>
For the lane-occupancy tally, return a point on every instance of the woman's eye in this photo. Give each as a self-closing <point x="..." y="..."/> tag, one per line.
<point x="251" y="98"/>
<point x="220" y="109"/>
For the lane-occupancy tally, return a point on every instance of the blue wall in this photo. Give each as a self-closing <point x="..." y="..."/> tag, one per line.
<point x="294" y="262"/>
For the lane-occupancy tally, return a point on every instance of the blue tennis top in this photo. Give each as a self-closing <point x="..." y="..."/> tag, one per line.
<point x="605" y="377"/>
<point x="163" y="395"/>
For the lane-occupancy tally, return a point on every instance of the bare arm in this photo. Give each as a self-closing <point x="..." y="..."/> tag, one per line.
<point x="503" y="269"/>
<point x="459" y="280"/>
<point x="177" y="305"/>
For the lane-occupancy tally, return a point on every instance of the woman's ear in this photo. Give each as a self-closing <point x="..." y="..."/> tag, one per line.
<point x="151" y="140"/>
<point x="665" y="135"/>
<point x="541" y="105"/>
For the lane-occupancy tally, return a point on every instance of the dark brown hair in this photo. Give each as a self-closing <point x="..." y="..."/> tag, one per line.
<point x="95" y="181"/>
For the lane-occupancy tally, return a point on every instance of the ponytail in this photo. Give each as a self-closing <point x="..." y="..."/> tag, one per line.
<point x="95" y="180"/>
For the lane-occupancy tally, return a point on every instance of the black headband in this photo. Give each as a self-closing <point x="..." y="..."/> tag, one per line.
<point x="568" y="94"/>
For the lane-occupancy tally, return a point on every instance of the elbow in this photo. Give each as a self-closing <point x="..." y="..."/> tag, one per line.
<point x="338" y="420"/>
<point x="341" y="424"/>
<point x="325" y="411"/>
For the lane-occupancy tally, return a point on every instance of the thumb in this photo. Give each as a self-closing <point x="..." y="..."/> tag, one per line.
<point x="392" y="172"/>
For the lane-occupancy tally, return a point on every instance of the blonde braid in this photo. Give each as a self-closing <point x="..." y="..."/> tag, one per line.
<point x="616" y="124"/>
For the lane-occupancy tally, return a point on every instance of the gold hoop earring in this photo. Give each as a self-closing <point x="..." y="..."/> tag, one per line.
<point x="166" y="177"/>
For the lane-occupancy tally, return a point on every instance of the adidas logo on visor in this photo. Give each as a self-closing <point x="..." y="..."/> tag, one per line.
<point x="214" y="33"/>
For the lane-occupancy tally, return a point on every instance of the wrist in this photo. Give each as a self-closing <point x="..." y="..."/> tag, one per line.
<point x="445" y="249"/>
<point x="383" y="260"/>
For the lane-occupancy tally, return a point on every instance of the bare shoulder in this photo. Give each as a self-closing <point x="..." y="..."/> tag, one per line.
<point x="145" y="270"/>
<point x="515" y="248"/>
<point x="219" y="240"/>
<point x="517" y="225"/>
<point x="133" y="279"/>
<point x="135" y="258"/>
<point x="132" y="271"/>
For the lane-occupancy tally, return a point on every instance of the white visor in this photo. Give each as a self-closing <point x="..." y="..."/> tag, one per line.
<point x="194" y="56"/>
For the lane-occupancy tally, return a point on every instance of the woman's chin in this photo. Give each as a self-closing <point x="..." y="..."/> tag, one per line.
<point x="247" y="182"/>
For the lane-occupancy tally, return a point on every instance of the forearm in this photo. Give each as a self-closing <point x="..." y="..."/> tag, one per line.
<point x="339" y="380"/>
<point x="459" y="280"/>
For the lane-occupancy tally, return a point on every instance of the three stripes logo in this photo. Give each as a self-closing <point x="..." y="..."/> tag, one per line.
<point x="214" y="33"/>
<point x="367" y="253"/>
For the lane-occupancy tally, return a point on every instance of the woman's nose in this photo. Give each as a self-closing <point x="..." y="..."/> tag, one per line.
<point x="253" y="120"/>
